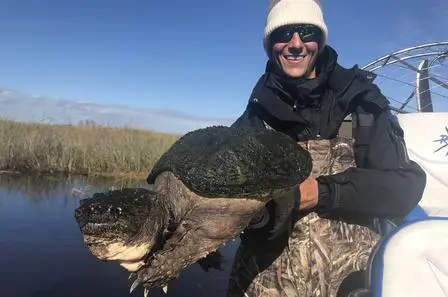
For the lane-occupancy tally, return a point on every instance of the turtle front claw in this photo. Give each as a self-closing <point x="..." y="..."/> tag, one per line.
<point x="135" y="284"/>
<point x="148" y="278"/>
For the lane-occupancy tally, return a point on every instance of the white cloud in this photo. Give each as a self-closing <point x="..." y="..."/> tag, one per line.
<point x="27" y="108"/>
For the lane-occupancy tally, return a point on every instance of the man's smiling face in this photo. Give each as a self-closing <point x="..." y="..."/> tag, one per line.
<point x="295" y="48"/>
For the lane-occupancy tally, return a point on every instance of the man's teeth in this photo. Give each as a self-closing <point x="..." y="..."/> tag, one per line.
<point x="294" y="58"/>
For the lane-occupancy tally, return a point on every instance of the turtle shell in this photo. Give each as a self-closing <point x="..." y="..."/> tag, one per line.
<point x="222" y="161"/>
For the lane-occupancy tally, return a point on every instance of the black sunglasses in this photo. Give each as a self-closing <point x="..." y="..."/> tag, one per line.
<point x="306" y="32"/>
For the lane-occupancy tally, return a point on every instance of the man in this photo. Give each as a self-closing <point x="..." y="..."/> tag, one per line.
<point x="306" y="94"/>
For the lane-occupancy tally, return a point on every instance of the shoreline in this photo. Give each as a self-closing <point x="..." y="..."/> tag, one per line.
<point x="137" y="176"/>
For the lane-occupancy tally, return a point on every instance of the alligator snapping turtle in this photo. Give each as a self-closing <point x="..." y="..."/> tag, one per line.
<point x="208" y="187"/>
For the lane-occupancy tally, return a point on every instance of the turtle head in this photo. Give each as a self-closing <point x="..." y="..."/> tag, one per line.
<point x="122" y="225"/>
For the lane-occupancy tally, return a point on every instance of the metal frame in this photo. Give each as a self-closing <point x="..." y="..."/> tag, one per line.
<point x="433" y="52"/>
<point x="438" y="50"/>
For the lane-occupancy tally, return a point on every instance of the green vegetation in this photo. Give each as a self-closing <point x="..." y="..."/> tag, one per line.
<point x="87" y="150"/>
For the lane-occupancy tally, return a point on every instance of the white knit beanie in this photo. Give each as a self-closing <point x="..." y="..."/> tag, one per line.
<point x="286" y="12"/>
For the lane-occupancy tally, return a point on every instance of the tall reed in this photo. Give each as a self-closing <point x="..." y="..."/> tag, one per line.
<point x="88" y="149"/>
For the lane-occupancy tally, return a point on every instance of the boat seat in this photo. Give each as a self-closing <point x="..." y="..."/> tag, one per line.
<point x="412" y="259"/>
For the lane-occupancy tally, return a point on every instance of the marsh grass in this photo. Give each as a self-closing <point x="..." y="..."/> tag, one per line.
<point x="87" y="150"/>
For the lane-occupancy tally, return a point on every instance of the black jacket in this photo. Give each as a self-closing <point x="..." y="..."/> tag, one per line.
<point x="385" y="183"/>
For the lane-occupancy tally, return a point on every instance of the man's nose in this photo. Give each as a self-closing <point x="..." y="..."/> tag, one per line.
<point x="295" y="44"/>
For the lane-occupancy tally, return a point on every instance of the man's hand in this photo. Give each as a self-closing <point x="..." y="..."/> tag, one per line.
<point x="309" y="194"/>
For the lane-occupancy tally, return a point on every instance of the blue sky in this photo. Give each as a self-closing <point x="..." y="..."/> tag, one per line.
<point x="198" y="57"/>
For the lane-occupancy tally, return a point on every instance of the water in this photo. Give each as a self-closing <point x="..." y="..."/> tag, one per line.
<point x="42" y="253"/>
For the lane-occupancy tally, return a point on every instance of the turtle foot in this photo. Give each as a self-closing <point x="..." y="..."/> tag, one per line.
<point x="214" y="260"/>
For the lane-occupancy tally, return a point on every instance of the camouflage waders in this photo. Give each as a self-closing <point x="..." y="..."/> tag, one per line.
<point x="317" y="256"/>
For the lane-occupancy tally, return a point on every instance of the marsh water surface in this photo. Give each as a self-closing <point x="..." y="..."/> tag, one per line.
<point x="42" y="253"/>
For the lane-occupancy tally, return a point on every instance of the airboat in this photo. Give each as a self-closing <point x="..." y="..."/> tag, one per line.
<point x="411" y="259"/>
